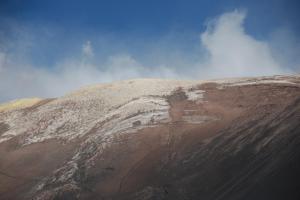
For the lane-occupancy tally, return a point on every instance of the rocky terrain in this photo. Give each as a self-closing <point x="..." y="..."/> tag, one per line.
<point x="151" y="139"/>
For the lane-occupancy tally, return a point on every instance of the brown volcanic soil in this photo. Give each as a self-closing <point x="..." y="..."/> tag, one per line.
<point x="246" y="147"/>
<point x="23" y="167"/>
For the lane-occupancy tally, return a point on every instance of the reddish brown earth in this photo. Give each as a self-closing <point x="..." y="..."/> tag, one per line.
<point x="238" y="142"/>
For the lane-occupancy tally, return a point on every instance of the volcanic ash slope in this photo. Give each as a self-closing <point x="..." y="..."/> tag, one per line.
<point x="155" y="139"/>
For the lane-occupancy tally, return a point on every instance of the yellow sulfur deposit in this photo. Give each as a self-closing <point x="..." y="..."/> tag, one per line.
<point x="19" y="104"/>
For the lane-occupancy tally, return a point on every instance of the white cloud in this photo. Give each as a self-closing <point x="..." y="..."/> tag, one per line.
<point x="231" y="52"/>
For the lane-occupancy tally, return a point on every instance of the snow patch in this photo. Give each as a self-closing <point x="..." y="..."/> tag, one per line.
<point x="198" y="119"/>
<point x="194" y="95"/>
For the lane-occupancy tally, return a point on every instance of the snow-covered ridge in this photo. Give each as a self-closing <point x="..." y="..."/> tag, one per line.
<point x="124" y="106"/>
<point x="113" y="94"/>
<point x="293" y="79"/>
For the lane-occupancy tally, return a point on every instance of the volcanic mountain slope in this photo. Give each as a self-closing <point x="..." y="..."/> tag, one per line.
<point x="155" y="139"/>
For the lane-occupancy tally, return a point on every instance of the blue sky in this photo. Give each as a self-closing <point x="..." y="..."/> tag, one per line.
<point x="43" y="42"/>
<point x="154" y="16"/>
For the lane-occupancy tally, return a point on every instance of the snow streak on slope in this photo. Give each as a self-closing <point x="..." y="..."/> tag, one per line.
<point x="128" y="104"/>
